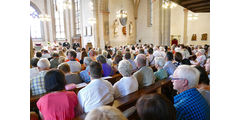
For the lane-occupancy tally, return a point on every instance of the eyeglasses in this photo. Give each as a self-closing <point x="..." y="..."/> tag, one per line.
<point x="178" y="78"/>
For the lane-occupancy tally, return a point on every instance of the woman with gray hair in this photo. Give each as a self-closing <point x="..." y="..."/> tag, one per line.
<point x="161" y="73"/>
<point x="128" y="83"/>
<point x="84" y="74"/>
<point x="105" y="113"/>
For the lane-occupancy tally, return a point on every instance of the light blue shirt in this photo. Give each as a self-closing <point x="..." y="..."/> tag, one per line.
<point x="134" y="67"/>
<point x="85" y="76"/>
<point x="169" y="67"/>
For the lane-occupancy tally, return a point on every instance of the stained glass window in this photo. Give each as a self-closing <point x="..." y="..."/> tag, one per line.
<point x="59" y="19"/>
<point x="35" y="24"/>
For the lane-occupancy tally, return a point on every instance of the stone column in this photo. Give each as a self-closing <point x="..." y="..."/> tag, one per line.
<point x="101" y="14"/>
<point x="167" y="23"/>
<point x="185" y="38"/>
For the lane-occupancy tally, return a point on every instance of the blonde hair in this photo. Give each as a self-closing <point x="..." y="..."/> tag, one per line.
<point x="105" y="113"/>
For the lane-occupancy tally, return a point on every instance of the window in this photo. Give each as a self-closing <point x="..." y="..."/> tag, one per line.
<point x="77" y="16"/>
<point x="59" y="19"/>
<point x="150" y="13"/>
<point x="35" y="24"/>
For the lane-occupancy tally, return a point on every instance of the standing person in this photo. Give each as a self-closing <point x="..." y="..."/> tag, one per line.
<point x="150" y="57"/>
<point x="97" y="93"/>
<point x="189" y="103"/>
<point x="128" y="57"/>
<point x="169" y="66"/>
<point x="57" y="104"/>
<point x="83" y="55"/>
<point x="75" y="66"/>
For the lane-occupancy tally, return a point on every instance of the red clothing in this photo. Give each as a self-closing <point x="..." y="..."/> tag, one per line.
<point x="75" y="59"/>
<point x="58" y="105"/>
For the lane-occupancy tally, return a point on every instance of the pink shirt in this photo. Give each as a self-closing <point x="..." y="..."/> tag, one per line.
<point x="58" y="105"/>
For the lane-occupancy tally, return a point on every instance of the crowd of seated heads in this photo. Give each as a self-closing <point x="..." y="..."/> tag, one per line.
<point x="133" y="62"/>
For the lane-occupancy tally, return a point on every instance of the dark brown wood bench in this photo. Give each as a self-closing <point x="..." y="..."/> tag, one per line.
<point x="114" y="78"/>
<point x="123" y="103"/>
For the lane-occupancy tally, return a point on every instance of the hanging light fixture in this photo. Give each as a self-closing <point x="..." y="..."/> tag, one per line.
<point x="44" y="17"/>
<point x="121" y="14"/>
<point x="168" y="4"/>
<point x="67" y="4"/>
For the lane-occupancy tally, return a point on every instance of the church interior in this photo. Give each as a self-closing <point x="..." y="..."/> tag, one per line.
<point x="120" y="59"/>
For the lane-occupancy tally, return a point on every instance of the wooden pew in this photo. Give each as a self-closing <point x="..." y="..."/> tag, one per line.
<point x="123" y="103"/>
<point x="114" y="78"/>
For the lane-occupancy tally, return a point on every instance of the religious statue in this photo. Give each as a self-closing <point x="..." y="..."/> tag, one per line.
<point x="130" y="28"/>
<point x="115" y="28"/>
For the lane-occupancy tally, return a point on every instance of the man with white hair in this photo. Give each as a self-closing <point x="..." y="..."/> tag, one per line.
<point x="161" y="73"/>
<point x="144" y="74"/>
<point x="189" y="103"/>
<point x="37" y="83"/>
<point x="128" y="83"/>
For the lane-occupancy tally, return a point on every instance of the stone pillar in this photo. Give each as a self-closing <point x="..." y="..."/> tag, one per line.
<point x="101" y="14"/>
<point x="167" y="23"/>
<point x="185" y="38"/>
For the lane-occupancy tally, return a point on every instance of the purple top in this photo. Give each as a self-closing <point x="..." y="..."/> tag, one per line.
<point x="107" y="70"/>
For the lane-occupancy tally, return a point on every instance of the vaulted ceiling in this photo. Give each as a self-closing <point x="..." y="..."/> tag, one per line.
<point x="196" y="6"/>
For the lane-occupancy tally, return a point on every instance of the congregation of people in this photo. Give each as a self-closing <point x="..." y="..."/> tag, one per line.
<point x="57" y="69"/>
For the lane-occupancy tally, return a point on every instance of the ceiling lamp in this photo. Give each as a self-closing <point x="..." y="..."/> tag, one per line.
<point x="67" y="4"/>
<point x="121" y="14"/>
<point x="168" y="4"/>
<point x="44" y="17"/>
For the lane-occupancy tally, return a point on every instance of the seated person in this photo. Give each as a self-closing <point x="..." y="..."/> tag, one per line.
<point x="55" y="60"/>
<point x="161" y="73"/>
<point x="155" y="107"/>
<point x="189" y="103"/>
<point x="150" y="57"/>
<point x="34" y="70"/>
<point x="75" y="66"/>
<point x="207" y="67"/>
<point x="69" y="76"/>
<point x="144" y="75"/>
<point x="128" y="57"/>
<point x="128" y="83"/>
<point x="169" y="66"/>
<point x="106" y="55"/>
<point x="57" y="104"/>
<point x="116" y="60"/>
<point x="97" y="93"/>
<point x="39" y="54"/>
<point x="107" y="69"/>
<point x="201" y="57"/>
<point x="178" y="59"/>
<point x="37" y="82"/>
<point x="85" y="73"/>
<point x="46" y="54"/>
<point x="105" y="113"/>
<point x="203" y="85"/>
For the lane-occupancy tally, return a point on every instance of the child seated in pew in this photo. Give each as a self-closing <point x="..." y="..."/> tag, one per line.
<point x="57" y="104"/>
<point x="155" y="107"/>
<point x="105" y="113"/>
<point x="128" y="83"/>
